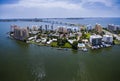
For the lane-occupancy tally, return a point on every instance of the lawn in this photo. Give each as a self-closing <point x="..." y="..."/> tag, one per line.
<point x="53" y="44"/>
<point x="67" y="45"/>
<point x="116" y="41"/>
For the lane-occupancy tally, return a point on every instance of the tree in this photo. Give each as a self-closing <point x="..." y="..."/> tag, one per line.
<point x="61" y="42"/>
<point x="83" y="36"/>
<point x="67" y="45"/>
<point x="75" y="45"/>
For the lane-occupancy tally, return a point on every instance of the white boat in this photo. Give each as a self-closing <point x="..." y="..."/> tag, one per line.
<point x="84" y="49"/>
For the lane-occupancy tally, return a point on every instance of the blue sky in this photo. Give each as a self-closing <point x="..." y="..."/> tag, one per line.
<point x="59" y="8"/>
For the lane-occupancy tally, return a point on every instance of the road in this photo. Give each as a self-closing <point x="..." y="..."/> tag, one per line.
<point x="115" y="35"/>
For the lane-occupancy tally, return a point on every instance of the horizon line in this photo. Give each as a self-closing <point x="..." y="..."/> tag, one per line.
<point x="56" y="17"/>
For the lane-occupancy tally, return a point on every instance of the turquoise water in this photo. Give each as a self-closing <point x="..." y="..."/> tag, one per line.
<point x="27" y="62"/>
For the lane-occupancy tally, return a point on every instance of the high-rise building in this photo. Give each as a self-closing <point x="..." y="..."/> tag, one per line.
<point x="20" y="33"/>
<point x="62" y="29"/>
<point x="52" y="27"/>
<point x="112" y="27"/>
<point x="40" y="28"/>
<point x="46" y="27"/>
<point x="98" y="28"/>
<point x="95" y="40"/>
<point x="89" y="27"/>
<point x="12" y="27"/>
<point x="108" y="39"/>
<point x="35" y="28"/>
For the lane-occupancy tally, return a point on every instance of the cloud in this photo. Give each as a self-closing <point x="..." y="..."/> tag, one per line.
<point x="44" y="4"/>
<point x="60" y="8"/>
<point x="107" y="3"/>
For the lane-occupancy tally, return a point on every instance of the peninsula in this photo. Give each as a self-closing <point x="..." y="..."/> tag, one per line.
<point x="75" y="37"/>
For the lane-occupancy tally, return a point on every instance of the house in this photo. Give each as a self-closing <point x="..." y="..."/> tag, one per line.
<point x="49" y="41"/>
<point x="81" y="45"/>
<point x="85" y="41"/>
<point x="71" y="41"/>
<point x="31" y="38"/>
<point x="43" y="40"/>
<point x="54" y="39"/>
<point x="38" y="40"/>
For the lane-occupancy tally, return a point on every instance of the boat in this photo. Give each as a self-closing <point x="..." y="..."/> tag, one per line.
<point x="84" y="49"/>
<point x="59" y="48"/>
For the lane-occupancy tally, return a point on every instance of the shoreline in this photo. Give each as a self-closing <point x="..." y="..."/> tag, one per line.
<point x="78" y="37"/>
<point x="62" y="48"/>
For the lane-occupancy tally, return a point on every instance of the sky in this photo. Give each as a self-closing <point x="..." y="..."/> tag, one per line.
<point x="59" y="8"/>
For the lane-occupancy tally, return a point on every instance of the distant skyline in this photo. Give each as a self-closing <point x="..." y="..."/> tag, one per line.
<point x="59" y="8"/>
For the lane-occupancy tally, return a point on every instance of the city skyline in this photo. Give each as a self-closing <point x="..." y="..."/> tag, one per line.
<point x="59" y="8"/>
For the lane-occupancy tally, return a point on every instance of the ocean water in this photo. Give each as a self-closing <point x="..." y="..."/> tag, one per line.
<point x="27" y="62"/>
<point x="103" y="21"/>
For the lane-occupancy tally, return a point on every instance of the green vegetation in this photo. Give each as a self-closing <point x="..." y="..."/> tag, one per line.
<point x="72" y="37"/>
<point x="116" y="41"/>
<point x="85" y="36"/>
<point x="61" y="42"/>
<point x="53" y="44"/>
<point x="88" y="35"/>
<point x="67" y="45"/>
<point x="75" y="45"/>
<point x="118" y="32"/>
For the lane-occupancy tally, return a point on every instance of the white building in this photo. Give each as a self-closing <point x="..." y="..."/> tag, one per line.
<point x="71" y="41"/>
<point x="49" y="41"/>
<point x="95" y="40"/>
<point x="43" y="40"/>
<point x="107" y="38"/>
<point x="89" y="27"/>
<point x="113" y="27"/>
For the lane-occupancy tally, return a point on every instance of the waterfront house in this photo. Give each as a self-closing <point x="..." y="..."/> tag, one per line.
<point x="38" y="40"/>
<point x="95" y="40"/>
<point x="43" y="40"/>
<point x="48" y="42"/>
<point x="81" y="45"/>
<point x="85" y="41"/>
<point x="30" y="38"/>
<point x="71" y="41"/>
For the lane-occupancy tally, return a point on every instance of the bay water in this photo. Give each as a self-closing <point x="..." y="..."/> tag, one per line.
<point x="28" y="62"/>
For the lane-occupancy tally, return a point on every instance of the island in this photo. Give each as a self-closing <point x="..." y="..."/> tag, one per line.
<point x="71" y="36"/>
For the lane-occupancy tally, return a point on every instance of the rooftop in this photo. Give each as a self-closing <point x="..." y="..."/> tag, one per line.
<point x="95" y="36"/>
<point x="107" y="35"/>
